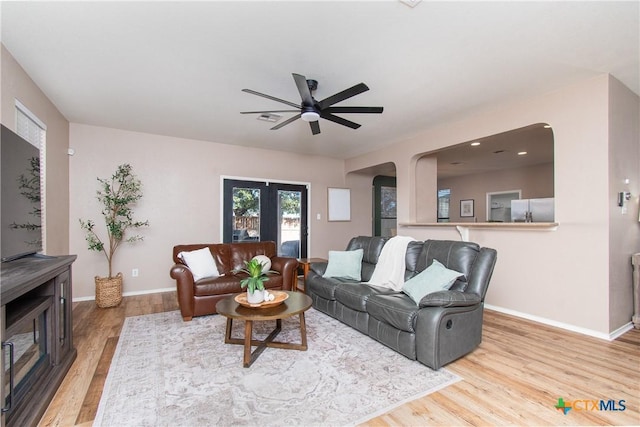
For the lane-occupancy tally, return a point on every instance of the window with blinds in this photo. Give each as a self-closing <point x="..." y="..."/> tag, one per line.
<point x="33" y="130"/>
<point x="444" y="197"/>
<point x="29" y="127"/>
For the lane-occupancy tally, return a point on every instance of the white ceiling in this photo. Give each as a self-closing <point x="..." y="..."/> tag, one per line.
<point x="177" y="68"/>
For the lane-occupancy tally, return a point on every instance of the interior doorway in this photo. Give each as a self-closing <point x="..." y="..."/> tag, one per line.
<point x="384" y="206"/>
<point x="264" y="211"/>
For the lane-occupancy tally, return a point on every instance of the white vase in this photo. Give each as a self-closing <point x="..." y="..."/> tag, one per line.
<point x="255" y="297"/>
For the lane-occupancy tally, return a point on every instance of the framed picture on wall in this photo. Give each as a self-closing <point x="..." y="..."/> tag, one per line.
<point x="339" y="204"/>
<point x="466" y="208"/>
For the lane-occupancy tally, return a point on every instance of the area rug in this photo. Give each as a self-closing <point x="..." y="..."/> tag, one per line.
<point x="166" y="372"/>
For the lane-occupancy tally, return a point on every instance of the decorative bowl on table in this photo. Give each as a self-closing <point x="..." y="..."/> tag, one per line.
<point x="279" y="298"/>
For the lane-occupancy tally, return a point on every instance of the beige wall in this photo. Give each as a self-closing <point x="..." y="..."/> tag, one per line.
<point x="576" y="275"/>
<point x="181" y="181"/>
<point x="534" y="181"/>
<point x="624" y="158"/>
<point x="561" y="276"/>
<point x="426" y="176"/>
<point x="16" y="84"/>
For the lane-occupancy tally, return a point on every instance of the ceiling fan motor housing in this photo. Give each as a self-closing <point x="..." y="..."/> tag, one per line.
<point x="313" y="84"/>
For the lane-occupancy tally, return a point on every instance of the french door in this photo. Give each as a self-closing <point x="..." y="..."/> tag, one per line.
<point x="384" y="206"/>
<point x="263" y="211"/>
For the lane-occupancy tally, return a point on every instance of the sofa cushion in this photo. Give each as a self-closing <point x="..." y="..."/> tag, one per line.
<point x="241" y="252"/>
<point x="413" y="252"/>
<point x="355" y="295"/>
<point x="230" y="284"/>
<point x="397" y="309"/>
<point x="453" y="254"/>
<point x="325" y="287"/>
<point x="435" y="278"/>
<point x="200" y="262"/>
<point x="345" y="264"/>
<point x="450" y="299"/>
<point x="371" y="246"/>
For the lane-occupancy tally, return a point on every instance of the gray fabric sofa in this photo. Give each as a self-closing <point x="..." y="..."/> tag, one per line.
<point x="443" y="327"/>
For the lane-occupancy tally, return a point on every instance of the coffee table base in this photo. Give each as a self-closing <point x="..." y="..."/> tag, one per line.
<point x="248" y="341"/>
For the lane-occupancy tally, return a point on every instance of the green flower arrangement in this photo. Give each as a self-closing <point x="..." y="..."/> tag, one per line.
<point x="256" y="278"/>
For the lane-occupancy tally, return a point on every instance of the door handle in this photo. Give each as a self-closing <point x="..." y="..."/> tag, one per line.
<point x="9" y="397"/>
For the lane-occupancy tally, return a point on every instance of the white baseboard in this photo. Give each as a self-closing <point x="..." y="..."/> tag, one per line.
<point x="573" y="328"/>
<point x="127" y="294"/>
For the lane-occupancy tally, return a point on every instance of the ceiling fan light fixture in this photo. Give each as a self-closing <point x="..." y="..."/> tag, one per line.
<point x="310" y="116"/>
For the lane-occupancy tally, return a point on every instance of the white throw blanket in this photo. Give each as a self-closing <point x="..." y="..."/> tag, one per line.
<point x="389" y="271"/>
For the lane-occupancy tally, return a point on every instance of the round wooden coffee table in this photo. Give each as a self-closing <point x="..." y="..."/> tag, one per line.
<point x="296" y="303"/>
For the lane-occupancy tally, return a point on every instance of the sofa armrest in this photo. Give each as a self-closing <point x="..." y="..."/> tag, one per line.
<point x="319" y="267"/>
<point x="185" y="289"/>
<point x="288" y="268"/>
<point x="449" y="299"/>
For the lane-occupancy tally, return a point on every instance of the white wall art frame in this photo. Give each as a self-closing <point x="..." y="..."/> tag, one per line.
<point x="339" y="204"/>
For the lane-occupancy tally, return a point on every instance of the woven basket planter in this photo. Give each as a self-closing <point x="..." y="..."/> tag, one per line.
<point x="108" y="291"/>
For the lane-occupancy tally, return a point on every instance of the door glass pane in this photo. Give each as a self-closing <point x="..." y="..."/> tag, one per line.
<point x="289" y="220"/>
<point x="246" y="214"/>
<point x="387" y="211"/>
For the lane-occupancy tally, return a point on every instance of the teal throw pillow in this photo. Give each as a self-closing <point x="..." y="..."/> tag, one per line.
<point x="345" y="264"/>
<point x="435" y="278"/>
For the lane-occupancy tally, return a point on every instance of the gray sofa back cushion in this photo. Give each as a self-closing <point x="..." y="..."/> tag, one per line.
<point x="454" y="255"/>
<point x="372" y="246"/>
<point x="414" y="249"/>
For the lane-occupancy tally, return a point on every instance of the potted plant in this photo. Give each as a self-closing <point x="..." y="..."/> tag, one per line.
<point x="117" y="195"/>
<point x="255" y="282"/>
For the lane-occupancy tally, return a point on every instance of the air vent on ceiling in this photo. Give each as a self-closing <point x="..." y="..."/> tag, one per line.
<point x="269" y="117"/>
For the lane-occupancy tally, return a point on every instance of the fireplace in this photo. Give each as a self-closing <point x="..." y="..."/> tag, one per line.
<point x="27" y="348"/>
<point x="37" y="335"/>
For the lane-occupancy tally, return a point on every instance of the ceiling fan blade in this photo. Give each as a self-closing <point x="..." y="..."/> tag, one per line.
<point x="303" y="88"/>
<point x="354" y="110"/>
<point x="315" y="127"/>
<point x="339" y="120"/>
<point x="341" y="96"/>
<point x="286" y="122"/>
<point x="270" y="111"/>
<point x="273" y="98"/>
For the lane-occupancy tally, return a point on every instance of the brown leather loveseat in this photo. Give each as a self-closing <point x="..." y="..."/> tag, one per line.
<point x="200" y="297"/>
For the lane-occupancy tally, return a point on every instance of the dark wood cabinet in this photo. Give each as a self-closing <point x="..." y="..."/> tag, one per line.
<point x="37" y="335"/>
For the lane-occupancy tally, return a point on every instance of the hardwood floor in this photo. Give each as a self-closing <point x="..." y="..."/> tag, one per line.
<point x="515" y="377"/>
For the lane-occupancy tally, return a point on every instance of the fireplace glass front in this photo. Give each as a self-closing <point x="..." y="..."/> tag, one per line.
<point x="25" y="350"/>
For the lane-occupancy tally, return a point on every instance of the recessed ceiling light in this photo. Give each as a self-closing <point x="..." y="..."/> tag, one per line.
<point x="475" y="144"/>
<point x="522" y="153"/>
<point x="547" y="126"/>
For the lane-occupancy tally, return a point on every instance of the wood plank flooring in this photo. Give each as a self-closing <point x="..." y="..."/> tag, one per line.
<point x="515" y="377"/>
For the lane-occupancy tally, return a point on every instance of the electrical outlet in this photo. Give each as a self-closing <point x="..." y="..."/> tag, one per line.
<point x="134" y="272"/>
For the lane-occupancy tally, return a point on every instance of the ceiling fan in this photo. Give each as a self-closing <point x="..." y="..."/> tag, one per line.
<point x="311" y="110"/>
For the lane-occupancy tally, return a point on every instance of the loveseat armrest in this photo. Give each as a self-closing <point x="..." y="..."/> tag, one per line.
<point x="449" y="299"/>
<point x="185" y="289"/>
<point x="288" y="268"/>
